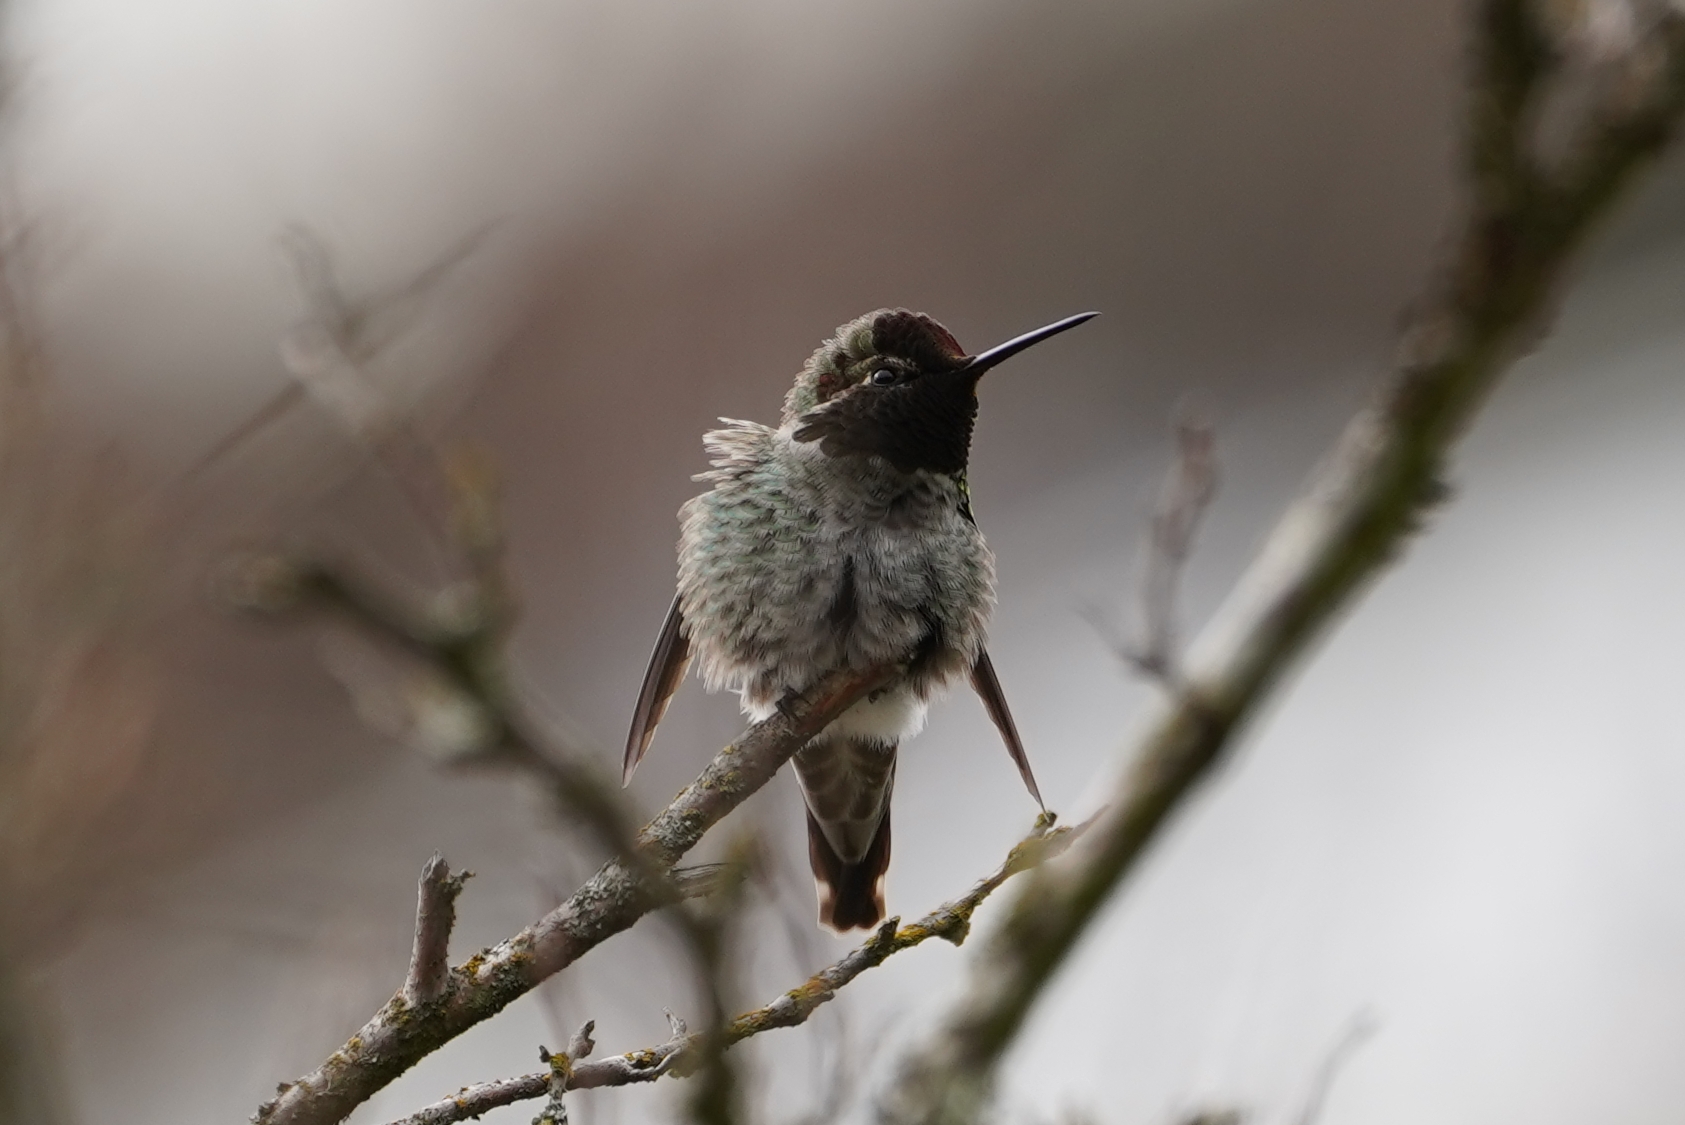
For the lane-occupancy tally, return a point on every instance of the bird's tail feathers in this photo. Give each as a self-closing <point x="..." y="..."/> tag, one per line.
<point x="850" y="894"/>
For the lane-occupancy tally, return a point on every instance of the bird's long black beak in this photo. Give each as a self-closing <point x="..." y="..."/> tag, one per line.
<point x="1000" y="352"/>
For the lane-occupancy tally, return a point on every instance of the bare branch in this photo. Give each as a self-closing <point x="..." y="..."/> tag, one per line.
<point x="353" y="331"/>
<point x="435" y="917"/>
<point x="679" y="1054"/>
<point x="276" y="407"/>
<point x="1186" y="494"/>
<point x="610" y="901"/>
<point x="951" y="922"/>
<point x="361" y="329"/>
<point x="471" y="1102"/>
<point x="1516" y="243"/>
<point x="560" y="1079"/>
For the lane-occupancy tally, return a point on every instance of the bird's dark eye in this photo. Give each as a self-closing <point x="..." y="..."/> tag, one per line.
<point x="884" y="377"/>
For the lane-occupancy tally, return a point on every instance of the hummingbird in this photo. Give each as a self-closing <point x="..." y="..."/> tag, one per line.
<point x="843" y="537"/>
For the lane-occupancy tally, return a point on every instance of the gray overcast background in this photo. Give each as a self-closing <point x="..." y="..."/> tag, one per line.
<point x="1467" y="814"/>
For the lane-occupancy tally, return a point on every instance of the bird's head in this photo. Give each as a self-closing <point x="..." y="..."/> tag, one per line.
<point x="897" y="384"/>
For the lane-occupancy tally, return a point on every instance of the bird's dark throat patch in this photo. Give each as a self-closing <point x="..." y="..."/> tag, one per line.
<point x="924" y="423"/>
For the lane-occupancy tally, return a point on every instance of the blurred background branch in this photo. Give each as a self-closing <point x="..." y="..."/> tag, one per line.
<point x="1182" y="502"/>
<point x="79" y="581"/>
<point x="1358" y="1032"/>
<point x="1525" y="219"/>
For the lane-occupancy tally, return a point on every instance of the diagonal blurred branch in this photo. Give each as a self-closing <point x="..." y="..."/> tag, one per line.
<point x="1524" y="222"/>
<point x="29" y="1070"/>
<point x="362" y="329"/>
<point x="327" y="351"/>
<point x="1358" y="1032"/>
<point x="951" y="922"/>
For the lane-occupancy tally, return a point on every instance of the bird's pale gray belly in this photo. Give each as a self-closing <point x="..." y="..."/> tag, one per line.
<point x="871" y="596"/>
<point x="783" y="587"/>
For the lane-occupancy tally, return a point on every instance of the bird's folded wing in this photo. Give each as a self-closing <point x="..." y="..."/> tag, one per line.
<point x="667" y="665"/>
<point x="987" y="684"/>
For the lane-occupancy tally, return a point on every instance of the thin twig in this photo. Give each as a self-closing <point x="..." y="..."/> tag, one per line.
<point x="1358" y="1032"/>
<point x="356" y="331"/>
<point x="1186" y="494"/>
<point x="1519" y="237"/>
<point x="678" y="1055"/>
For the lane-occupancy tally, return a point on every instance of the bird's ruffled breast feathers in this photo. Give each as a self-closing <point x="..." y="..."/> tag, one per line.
<point x="736" y="451"/>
